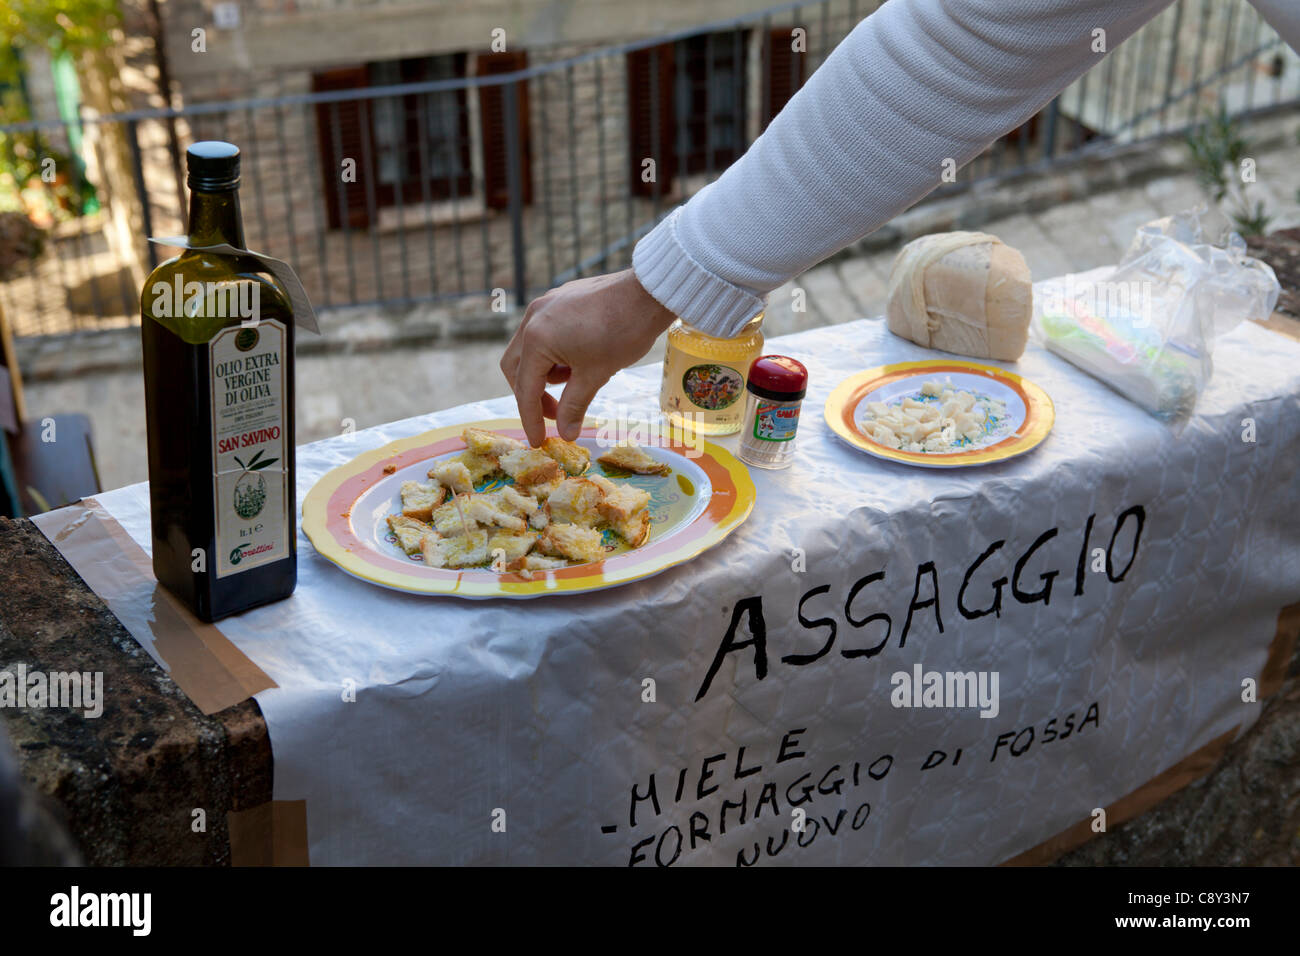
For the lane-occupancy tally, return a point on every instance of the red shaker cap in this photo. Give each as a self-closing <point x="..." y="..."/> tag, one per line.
<point x="778" y="378"/>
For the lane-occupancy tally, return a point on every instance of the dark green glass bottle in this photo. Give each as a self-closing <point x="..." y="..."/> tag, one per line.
<point x="218" y="338"/>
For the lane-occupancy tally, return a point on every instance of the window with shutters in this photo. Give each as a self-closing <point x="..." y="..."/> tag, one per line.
<point x="421" y="140"/>
<point x="494" y="109"/>
<point x="709" y="94"/>
<point x="785" y="71"/>
<point x="686" y="108"/>
<point x="413" y="149"/>
<point x="651" y="126"/>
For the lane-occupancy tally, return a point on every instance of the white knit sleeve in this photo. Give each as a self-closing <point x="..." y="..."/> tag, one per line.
<point x="917" y="82"/>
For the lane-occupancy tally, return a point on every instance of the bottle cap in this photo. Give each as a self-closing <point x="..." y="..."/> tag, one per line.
<point x="777" y="378"/>
<point x="213" y="166"/>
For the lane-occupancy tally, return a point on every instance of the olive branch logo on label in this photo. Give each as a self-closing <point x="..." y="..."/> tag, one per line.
<point x="250" y="495"/>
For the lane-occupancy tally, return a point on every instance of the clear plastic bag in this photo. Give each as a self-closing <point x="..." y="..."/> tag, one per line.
<point x="1147" y="327"/>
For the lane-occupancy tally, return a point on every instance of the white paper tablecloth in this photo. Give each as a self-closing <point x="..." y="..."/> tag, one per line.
<point x="532" y="713"/>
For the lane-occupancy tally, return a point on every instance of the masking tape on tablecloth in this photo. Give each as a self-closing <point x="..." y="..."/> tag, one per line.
<point x="212" y="672"/>
<point x="304" y="316"/>
<point x="271" y="834"/>
<point x="1188" y="770"/>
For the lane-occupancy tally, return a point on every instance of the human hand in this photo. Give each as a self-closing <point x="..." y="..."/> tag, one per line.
<point x="580" y="333"/>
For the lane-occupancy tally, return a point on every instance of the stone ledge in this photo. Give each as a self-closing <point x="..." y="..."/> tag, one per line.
<point x="124" y="784"/>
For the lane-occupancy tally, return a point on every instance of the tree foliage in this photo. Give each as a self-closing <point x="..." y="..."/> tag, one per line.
<point x="73" y="26"/>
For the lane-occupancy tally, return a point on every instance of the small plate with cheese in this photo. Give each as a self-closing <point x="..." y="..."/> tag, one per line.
<point x="940" y="414"/>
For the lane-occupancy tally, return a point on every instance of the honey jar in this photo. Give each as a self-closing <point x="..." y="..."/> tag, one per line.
<point x="704" y="377"/>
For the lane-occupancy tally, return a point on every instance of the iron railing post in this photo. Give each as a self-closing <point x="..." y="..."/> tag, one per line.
<point x="1053" y="112"/>
<point x="133" y="140"/>
<point x="514" y="184"/>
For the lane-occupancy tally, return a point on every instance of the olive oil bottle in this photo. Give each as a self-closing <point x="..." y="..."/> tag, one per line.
<point x="218" y="337"/>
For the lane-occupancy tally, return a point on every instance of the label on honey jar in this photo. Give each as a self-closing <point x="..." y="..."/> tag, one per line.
<point x="712" y="387"/>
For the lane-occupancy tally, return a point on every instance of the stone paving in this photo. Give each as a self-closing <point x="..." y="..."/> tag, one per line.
<point x="382" y="380"/>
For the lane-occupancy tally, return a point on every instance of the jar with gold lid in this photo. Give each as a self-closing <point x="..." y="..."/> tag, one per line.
<point x="704" y="377"/>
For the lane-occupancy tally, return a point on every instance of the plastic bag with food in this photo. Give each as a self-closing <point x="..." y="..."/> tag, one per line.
<point x="1147" y="326"/>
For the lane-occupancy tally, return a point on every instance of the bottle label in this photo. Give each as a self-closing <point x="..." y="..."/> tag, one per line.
<point x="712" y="387"/>
<point x="249" y="465"/>
<point x="775" y="421"/>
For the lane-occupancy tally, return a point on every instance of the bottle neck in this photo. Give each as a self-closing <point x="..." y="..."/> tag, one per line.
<point x="215" y="219"/>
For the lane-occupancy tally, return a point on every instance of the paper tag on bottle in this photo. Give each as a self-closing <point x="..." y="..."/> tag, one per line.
<point x="304" y="316"/>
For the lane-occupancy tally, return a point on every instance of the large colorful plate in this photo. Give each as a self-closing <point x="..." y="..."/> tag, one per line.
<point x="1030" y="413"/>
<point x="705" y="498"/>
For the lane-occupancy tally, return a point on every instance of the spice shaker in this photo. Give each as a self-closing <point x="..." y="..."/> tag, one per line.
<point x="775" y="388"/>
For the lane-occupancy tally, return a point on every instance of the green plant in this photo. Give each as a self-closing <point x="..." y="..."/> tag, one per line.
<point x="74" y="26"/>
<point x="26" y="187"/>
<point x="1218" y="151"/>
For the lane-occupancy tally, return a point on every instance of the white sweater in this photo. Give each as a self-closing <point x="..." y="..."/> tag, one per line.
<point x="917" y="82"/>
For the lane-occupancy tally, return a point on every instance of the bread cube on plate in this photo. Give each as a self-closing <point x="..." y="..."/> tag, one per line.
<point x="456" y="551"/>
<point x="530" y="466"/>
<point x="575" y="501"/>
<point x="622" y="503"/>
<point x="410" y="532"/>
<point x="419" y="498"/>
<point x="488" y="444"/>
<point x="452" y="517"/>
<point x="517" y="501"/>
<point x="571" y="541"/>
<point x="537" y="562"/>
<point x="488" y="509"/>
<point x="634" y="529"/>
<point x="478" y="466"/>
<point x="514" y="544"/>
<point x="454" y="475"/>
<point x="631" y="458"/>
<point x="572" y="457"/>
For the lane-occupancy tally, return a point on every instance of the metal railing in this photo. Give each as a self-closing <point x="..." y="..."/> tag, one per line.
<point x="504" y="185"/>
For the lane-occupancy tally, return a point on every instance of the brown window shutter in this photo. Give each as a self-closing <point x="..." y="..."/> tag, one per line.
<point x="349" y="139"/>
<point x="784" y="71"/>
<point x="492" y="118"/>
<point x="642" y="145"/>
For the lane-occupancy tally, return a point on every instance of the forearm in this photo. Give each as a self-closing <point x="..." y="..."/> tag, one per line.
<point x="918" y="82"/>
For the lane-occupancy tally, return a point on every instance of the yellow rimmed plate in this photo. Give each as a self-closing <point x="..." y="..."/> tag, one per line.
<point x="706" y="497"/>
<point x="1030" y="413"/>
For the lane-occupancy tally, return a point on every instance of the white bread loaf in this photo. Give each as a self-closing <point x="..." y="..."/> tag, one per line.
<point x="963" y="292"/>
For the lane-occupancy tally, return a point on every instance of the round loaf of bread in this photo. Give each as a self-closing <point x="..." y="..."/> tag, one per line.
<point x="963" y="292"/>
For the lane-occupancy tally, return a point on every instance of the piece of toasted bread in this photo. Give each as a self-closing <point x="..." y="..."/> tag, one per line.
<point x="409" y="532"/>
<point x="488" y="444"/>
<point x="571" y="541"/>
<point x="634" y="529"/>
<point x="457" y="551"/>
<point x="514" y="500"/>
<point x="572" y="457"/>
<point x="514" y="545"/>
<point x="541" y="562"/>
<point x="454" y="476"/>
<point x="622" y="503"/>
<point x="631" y="458"/>
<point x="487" y="509"/>
<point x="420" y="498"/>
<point x="530" y="466"/>
<point x="543" y="490"/>
<point x="431" y="550"/>
<point x="478" y="466"/>
<point x="575" y="501"/>
<point x="452" y="517"/>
